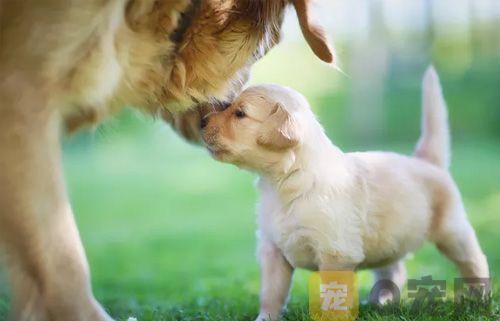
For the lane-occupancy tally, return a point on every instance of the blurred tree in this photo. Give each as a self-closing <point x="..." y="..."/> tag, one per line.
<point x="369" y="64"/>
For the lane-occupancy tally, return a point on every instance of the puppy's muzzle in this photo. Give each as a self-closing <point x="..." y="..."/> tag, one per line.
<point x="218" y="107"/>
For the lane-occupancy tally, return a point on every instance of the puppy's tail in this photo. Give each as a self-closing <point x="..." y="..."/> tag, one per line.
<point x="434" y="143"/>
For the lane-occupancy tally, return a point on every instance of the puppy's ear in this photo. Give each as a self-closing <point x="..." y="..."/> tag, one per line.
<point x="280" y="130"/>
<point x="314" y="33"/>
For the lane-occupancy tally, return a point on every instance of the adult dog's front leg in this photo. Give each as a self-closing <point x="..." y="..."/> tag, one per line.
<point x="45" y="259"/>
<point x="276" y="277"/>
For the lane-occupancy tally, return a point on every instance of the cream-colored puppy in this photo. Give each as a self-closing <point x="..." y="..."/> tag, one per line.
<point x="323" y="209"/>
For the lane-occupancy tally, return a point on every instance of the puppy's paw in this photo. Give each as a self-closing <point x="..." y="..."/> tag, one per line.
<point x="263" y="316"/>
<point x="384" y="297"/>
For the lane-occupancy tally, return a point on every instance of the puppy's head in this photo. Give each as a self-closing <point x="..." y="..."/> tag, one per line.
<point x="259" y="130"/>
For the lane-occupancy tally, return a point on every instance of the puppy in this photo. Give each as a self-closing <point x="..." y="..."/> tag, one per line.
<point x="323" y="209"/>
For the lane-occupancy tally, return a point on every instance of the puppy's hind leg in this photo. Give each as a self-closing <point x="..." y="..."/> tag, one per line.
<point x="456" y="239"/>
<point x="389" y="283"/>
<point x="462" y="247"/>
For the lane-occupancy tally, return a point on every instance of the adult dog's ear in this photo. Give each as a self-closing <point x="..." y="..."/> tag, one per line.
<point x="315" y="34"/>
<point x="280" y="130"/>
<point x="187" y="124"/>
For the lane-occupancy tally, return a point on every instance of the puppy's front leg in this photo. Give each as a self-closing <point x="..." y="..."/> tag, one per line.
<point x="46" y="262"/>
<point x="276" y="277"/>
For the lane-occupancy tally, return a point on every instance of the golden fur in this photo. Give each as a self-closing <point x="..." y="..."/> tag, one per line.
<point x="117" y="53"/>
<point x="72" y="63"/>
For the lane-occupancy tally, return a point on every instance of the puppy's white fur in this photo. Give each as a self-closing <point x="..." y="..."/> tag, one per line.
<point x="323" y="209"/>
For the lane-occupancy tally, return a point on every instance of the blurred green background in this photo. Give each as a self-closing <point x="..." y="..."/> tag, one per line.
<point x="170" y="233"/>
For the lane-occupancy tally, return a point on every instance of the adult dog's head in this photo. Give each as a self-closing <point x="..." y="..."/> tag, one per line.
<point x="211" y="50"/>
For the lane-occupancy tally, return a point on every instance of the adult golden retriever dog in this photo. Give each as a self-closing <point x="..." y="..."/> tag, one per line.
<point x="64" y="64"/>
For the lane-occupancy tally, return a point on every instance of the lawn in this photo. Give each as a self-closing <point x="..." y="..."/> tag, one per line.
<point x="170" y="233"/>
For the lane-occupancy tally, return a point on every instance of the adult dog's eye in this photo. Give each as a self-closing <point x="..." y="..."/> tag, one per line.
<point x="240" y="113"/>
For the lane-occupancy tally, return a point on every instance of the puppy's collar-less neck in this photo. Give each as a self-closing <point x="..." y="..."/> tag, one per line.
<point x="293" y="185"/>
<point x="304" y="170"/>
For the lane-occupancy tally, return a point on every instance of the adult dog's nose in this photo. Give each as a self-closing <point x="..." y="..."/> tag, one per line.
<point x="204" y="122"/>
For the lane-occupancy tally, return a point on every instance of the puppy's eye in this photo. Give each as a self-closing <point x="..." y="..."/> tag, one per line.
<point x="240" y="114"/>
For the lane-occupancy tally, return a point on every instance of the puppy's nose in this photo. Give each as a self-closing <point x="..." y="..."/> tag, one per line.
<point x="204" y="122"/>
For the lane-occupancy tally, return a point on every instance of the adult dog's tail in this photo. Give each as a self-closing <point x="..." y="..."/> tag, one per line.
<point x="434" y="143"/>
